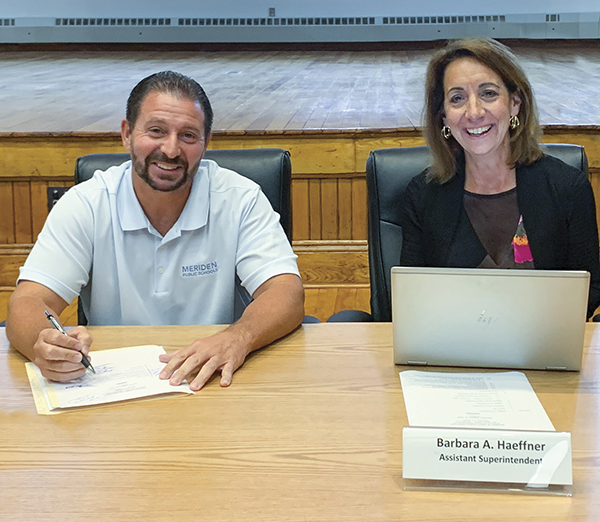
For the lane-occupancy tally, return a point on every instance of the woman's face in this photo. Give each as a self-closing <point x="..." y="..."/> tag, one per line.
<point x="477" y="107"/>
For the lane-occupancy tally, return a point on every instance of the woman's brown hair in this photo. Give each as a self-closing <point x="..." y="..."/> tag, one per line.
<point x="524" y="140"/>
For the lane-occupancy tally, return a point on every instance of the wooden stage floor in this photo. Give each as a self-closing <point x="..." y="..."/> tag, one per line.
<point x="275" y="91"/>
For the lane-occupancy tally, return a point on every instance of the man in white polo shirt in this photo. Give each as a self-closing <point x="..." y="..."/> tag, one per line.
<point x="160" y="240"/>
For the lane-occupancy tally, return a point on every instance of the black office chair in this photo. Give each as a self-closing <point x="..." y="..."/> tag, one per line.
<point x="270" y="168"/>
<point x="388" y="173"/>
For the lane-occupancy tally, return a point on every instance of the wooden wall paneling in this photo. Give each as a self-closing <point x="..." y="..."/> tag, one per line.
<point x="345" y="299"/>
<point x="311" y="296"/>
<point x="326" y="303"/>
<point x="359" y="209"/>
<point x="320" y="262"/>
<point x="22" y="210"/>
<point x="325" y="165"/>
<point x="314" y="216"/>
<point x="322" y="302"/>
<point x="384" y="140"/>
<point x="588" y="138"/>
<point x="4" y="297"/>
<point x="39" y="202"/>
<point x="53" y="155"/>
<point x="300" y="209"/>
<point x="69" y="315"/>
<point x="329" y="209"/>
<point x="318" y="303"/>
<point x="67" y="318"/>
<point x="332" y="262"/>
<point x="11" y="258"/>
<point x="7" y="215"/>
<point x="330" y="266"/>
<point x="39" y="206"/>
<point x="49" y="156"/>
<point x="345" y="209"/>
<point x="363" y="299"/>
<point x="311" y="152"/>
<point x="324" y="155"/>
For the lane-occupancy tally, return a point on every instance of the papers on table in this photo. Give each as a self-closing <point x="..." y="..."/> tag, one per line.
<point x="503" y="400"/>
<point x="121" y="374"/>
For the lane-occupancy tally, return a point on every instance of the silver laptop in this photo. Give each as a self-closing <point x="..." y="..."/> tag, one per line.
<point x="489" y="318"/>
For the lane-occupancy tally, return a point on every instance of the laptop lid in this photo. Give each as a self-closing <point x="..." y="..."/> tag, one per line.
<point x="489" y="318"/>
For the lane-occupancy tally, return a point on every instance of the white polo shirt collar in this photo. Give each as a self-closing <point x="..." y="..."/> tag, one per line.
<point x="193" y="217"/>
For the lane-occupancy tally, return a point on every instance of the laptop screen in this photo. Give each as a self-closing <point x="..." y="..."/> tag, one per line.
<point x="489" y="318"/>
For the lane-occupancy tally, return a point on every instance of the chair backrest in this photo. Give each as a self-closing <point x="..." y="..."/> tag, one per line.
<point x="388" y="173"/>
<point x="270" y="168"/>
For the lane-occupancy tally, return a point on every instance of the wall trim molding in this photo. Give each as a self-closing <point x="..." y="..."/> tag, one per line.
<point x="322" y="263"/>
<point x="310" y="246"/>
<point x="299" y="247"/>
<point x="16" y="249"/>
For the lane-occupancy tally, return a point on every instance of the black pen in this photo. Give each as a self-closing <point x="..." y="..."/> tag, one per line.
<point x="84" y="360"/>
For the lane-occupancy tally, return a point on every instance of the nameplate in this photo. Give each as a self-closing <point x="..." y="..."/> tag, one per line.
<point x="534" y="458"/>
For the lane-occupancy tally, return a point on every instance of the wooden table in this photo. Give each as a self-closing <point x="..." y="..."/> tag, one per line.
<point x="310" y="430"/>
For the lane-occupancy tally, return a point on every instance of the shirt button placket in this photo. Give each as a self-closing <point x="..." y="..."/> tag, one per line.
<point x="159" y="264"/>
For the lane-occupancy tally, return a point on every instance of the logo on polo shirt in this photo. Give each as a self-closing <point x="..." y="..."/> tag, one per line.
<point x="200" y="269"/>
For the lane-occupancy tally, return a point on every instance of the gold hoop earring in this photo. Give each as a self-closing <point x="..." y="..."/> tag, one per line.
<point x="514" y="122"/>
<point x="446" y="132"/>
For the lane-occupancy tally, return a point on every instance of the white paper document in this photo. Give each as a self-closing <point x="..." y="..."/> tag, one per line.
<point x="121" y="374"/>
<point x="503" y="400"/>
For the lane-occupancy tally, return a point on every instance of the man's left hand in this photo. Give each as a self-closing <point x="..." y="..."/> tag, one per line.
<point x="221" y="352"/>
<point x="277" y="308"/>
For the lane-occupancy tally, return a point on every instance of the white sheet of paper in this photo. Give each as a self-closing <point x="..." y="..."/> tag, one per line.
<point x="121" y="374"/>
<point x="503" y="400"/>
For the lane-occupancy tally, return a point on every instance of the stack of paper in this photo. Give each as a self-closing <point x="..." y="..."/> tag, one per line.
<point x="503" y="400"/>
<point x="121" y="374"/>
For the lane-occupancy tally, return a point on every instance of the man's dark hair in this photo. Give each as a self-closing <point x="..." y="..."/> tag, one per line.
<point x="169" y="82"/>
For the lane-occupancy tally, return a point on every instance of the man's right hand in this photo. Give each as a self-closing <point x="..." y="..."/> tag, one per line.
<point x="59" y="356"/>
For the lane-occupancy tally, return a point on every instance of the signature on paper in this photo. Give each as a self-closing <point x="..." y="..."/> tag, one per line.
<point x="86" y="380"/>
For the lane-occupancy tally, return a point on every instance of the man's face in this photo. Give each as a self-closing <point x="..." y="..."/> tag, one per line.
<point x="167" y="141"/>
